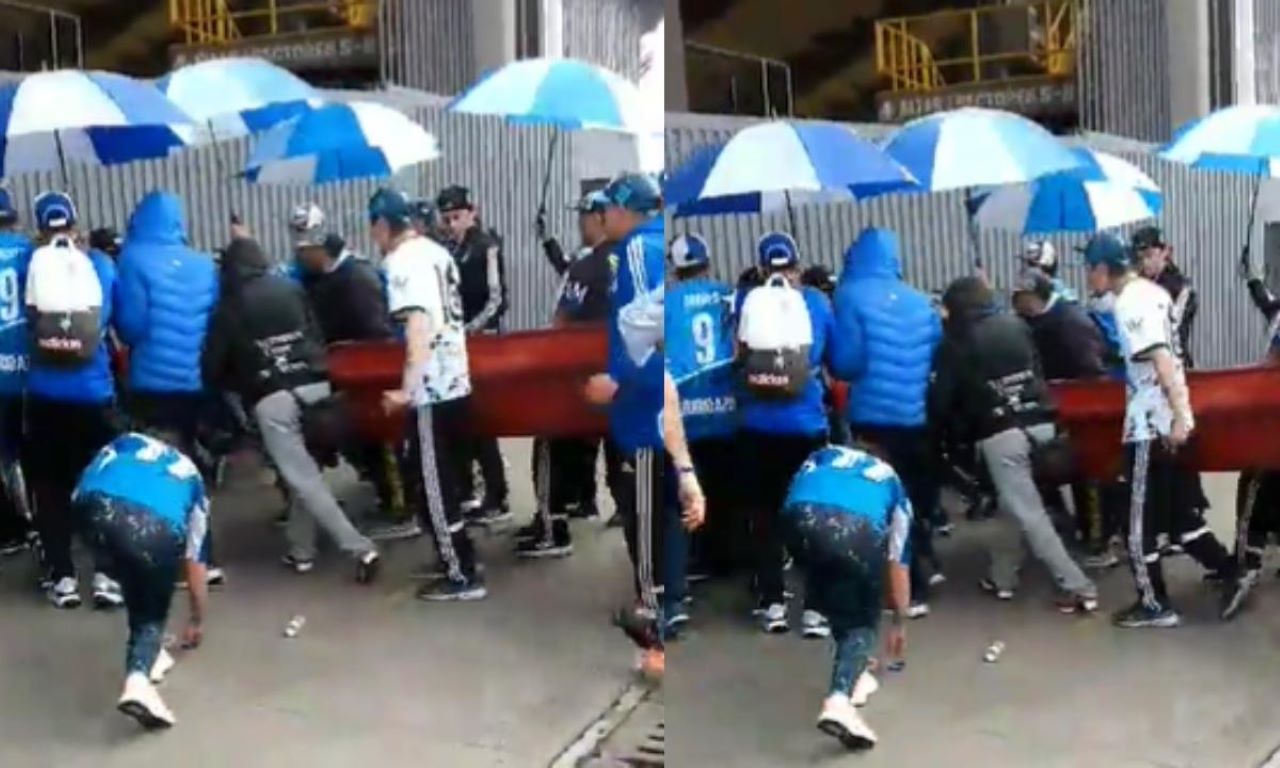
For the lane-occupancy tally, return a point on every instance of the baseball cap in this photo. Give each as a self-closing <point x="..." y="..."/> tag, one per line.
<point x="392" y="205"/>
<point x="424" y="210"/>
<point x="306" y="224"/>
<point x="1106" y="249"/>
<point x="1040" y="253"/>
<point x="454" y="198"/>
<point x="592" y="202"/>
<point x="1147" y="237"/>
<point x="778" y="250"/>
<point x="637" y="192"/>
<point x="1032" y="280"/>
<point x="7" y="210"/>
<point x="54" y="210"/>
<point x="688" y="251"/>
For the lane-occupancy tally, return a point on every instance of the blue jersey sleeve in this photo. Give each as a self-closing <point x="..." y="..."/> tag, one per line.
<point x="900" y="515"/>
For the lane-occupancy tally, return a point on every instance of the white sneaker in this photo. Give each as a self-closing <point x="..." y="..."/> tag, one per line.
<point x="774" y="619"/>
<point x="164" y="663"/>
<point x="814" y="625"/>
<point x="65" y="593"/>
<point x="862" y="690"/>
<point x="917" y="610"/>
<point x="840" y="720"/>
<point x="106" y="592"/>
<point x="142" y="702"/>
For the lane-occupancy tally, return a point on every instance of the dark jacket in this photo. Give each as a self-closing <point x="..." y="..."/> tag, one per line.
<point x="167" y="293"/>
<point x="349" y="302"/>
<point x="482" y="275"/>
<point x="588" y="279"/>
<point x="1185" y="309"/>
<point x="263" y="337"/>
<point x="1068" y="342"/>
<point x="986" y="375"/>
<point x="1263" y="298"/>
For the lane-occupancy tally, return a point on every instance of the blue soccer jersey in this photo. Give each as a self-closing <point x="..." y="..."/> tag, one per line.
<point x="861" y="485"/>
<point x="699" y="347"/>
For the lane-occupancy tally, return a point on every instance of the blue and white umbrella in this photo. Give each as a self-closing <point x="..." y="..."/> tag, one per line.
<point x="1102" y="192"/>
<point x="773" y="165"/>
<point x="976" y="148"/>
<point x="340" y="142"/>
<point x="51" y="119"/>
<point x="566" y="93"/>
<point x="1240" y="139"/>
<point x="232" y="98"/>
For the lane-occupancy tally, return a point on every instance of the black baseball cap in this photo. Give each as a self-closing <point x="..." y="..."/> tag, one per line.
<point x="1147" y="237"/>
<point x="454" y="198"/>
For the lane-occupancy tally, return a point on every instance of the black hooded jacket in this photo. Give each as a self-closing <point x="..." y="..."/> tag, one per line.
<point x="986" y="375"/>
<point x="263" y="337"/>
<point x="1186" y="304"/>
<point x="483" y="274"/>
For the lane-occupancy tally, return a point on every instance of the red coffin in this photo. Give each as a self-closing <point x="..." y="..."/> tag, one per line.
<point x="1237" y="420"/>
<point x="523" y="384"/>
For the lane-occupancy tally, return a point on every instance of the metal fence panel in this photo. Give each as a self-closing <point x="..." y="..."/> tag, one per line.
<point x="1205" y="217"/>
<point x="427" y="44"/>
<point x="608" y="32"/>
<point x="1122" y="45"/>
<point x="1266" y="50"/>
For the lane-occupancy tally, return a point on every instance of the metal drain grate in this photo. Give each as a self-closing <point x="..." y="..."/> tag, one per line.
<point x="639" y="741"/>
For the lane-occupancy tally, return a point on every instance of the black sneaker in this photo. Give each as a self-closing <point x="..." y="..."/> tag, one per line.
<point x="1235" y="596"/>
<point x="453" y="591"/>
<point x="558" y="545"/>
<point x="1140" y="615"/>
<point x="640" y="626"/>
<point x="533" y="530"/>
<point x="490" y="515"/>
<point x="367" y="567"/>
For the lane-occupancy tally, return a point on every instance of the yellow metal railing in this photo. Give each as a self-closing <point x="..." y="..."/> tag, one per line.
<point x="220" y="22"/>
<point x="1003" y="42"/>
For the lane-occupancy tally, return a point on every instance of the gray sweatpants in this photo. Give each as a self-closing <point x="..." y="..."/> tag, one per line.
<point x="279" y="420"/>
<point x="1023" y="516"/>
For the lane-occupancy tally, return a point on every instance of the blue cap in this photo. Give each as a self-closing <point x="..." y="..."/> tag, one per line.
<point x="778" y="250"/>
<point x="636" y="192"/>
<point x="7" y="211"/>
<point x="392" y="205"/>
<point x="689" y="251"/>
<point x="54" y="210"/>
<point x="1106" y="249"/>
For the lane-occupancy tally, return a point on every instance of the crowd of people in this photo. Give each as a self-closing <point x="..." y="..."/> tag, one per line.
<point x="935" y="392"/>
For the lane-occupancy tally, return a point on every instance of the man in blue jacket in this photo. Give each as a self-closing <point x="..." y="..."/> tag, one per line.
<point x="15" y="256"/>
<point x="71" y="414"/>
<point x="778" y="436"/>
<point x="633" y="386"/>
<point x="890" y="331"/>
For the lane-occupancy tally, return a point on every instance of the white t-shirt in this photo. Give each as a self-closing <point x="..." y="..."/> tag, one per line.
<point x="422" y="275"/>
<point x="1144" y="320"/>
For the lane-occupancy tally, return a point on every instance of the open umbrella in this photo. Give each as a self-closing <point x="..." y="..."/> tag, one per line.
<point x="340" y="142"/>
<point x="1102" y="192"/>
<point x="565" y="93"/>
<point x="50" y="119"/>
<point x="236" y="97"/>
<point x="1242" y="139"/>
<point x="770" y="166"/>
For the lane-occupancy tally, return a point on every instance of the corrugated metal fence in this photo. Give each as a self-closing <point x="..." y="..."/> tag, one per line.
<point x="503" y="165"/>
<point x="608" y="32"/>
<point x="1123" y="44"/>
<point x="1205" y="218"/>
<point x="1266" y="50"/>
<point x="427" y="44"/>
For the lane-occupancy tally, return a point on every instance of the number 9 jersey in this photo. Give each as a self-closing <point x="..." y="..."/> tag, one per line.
<point x="699" y="346"/>
<point x="15" y="258"/>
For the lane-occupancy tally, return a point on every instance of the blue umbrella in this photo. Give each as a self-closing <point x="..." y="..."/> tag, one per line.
<point x="49" y="119"/>
<point x="771" y="165"/>
<point x="1241" y="139"/>
<point x="1103" y="192"/>
<point x="340" y="142"/>
<point x="971" y="147"/>
<point x="237" y="97"/>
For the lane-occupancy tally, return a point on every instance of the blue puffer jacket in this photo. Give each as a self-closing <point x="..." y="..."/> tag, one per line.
<point x="167" y="291"/>
<point x="889" y="330"/>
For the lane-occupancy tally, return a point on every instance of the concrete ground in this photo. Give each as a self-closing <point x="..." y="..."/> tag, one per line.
<point x="375" y="677"/>
<point x="1067" y="692"/>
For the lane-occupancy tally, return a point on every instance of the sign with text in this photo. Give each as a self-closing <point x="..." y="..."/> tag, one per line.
<point x="1033" y="97"/>
<point x="329" y="49"/>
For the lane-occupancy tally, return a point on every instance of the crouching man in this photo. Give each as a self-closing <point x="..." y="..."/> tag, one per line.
<point x="142" y="507"/>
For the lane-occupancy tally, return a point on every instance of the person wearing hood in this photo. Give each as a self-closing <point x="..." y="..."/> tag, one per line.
<point x="988" y="388"/>
<point x="890" y="331"/>
<point x="70" y="406"/>
<point x="15" y="257"/>
<point x="265" y="345"/>
<point x="1154" y="258"/>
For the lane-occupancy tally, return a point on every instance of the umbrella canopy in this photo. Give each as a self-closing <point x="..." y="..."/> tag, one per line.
<point x="236" y="97"/>
<point x="340" y="142"/>
<point x="1102" y="192"/>
<point x="566" y="93"/>
<point x="1240" y="139"/>
<point x="977" y="147"/>
<point x="50" y="119"/>
<point x="765" y="167"/>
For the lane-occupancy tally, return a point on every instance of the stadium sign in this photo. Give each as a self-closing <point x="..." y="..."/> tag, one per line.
<point x="330" y="49"/>
<point x="1033" y="97"/>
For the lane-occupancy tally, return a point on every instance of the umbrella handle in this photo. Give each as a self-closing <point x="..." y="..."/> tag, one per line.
<point x="1246" y="262"/>
<point x="546" y="174"/>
